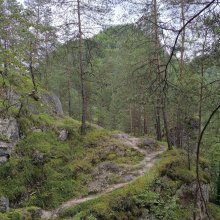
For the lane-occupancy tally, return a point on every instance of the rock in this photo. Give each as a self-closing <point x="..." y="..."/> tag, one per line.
<point x="38" y="158"/>
<point x="148" y="144"/>
<point x="9" y="129"/>
<point x="53" y="105"/>
<point x="36" y="130"/>
<point x="128" y="178"/>
<point x="9" y="135"/>
<point x="33" y="109"/>
<point x="13" y="98"/>
<point x="50" y="103"/>
<point x="186" y="195"/>
<point x="103" y="174"/>
<point x="121" y="136"/>
<point x="98" y="186"/>
<point x="4" y="204"/>
<point x="4" y="158"/>
<point x="109" y="166"/>
<point x="63" y="135"/>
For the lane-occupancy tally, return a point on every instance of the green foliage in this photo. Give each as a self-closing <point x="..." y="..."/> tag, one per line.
<point x="151" y="195"/>
<point x="214" y="211"/>
<point x="44" y="171"/>
<point x="22" y="214"/>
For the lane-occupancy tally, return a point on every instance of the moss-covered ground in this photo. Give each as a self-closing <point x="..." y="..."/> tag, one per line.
<point x="152" y="195"/>
<point x="44" y="171"/>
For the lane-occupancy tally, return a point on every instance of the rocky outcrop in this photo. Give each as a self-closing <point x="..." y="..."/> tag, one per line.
<point x="187" y="193"/>
<point x="53" y="104"/>
<point x="9" y="135"/>
<point x="4" y="204"/>
<point x="13" y="98"/>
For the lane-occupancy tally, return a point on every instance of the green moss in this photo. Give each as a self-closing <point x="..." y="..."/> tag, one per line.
<point x="4" y="138"/>
<point x="22" y="214"/>
<point x="214" y="210"/>
<point x="47" y="171"/>
<point x="154" y="193"/>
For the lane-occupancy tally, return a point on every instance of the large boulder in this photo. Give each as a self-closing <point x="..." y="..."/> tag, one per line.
<point x="13" y="98"/>
<point x="53" y="104"/>
<point x="9" y="135"/>
<point x="4" y="204"/>
<point x="9" y="129"/>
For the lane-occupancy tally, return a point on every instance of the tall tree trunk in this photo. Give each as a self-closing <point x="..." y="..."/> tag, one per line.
<point x="82" y="74"/>
<point x="179" y="134"/>
<point x="166" y="127"/>
<point x="162" y="91"/>
<point x="157" y="59"/>
<point x="158" y="124"/>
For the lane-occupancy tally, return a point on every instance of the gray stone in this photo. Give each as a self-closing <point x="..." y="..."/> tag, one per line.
<point x="13" y="98"/>
<point x="98" y="186"/>
<point x="9" y="129"/>
<point x="150" y="143"/>
<point x="9" y="135"/>
<point x="36" y="130"/>
<point x="128" y="178"/>
<point x="63" y="135"/>
<point x="3" y="159"/>
<point x="187" y="193"/>
<point x="109" y="166"/>
<point x="4" y="204"/>
<point x="53" y="104"/>
<point x="33" y="109"/>
<point x="38" y="158"/>
<point x="4" y="147"/>
<point x="121" y="136"/>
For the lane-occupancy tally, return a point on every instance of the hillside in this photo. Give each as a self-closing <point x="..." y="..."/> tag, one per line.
<point x="47" y="165"/>
<point x="44" y="160"/>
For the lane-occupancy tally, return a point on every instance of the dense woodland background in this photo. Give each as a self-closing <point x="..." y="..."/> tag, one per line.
<point x="156" y="72"/>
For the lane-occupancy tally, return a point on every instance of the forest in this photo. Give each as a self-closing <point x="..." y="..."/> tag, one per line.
<point x="110" y="109"/>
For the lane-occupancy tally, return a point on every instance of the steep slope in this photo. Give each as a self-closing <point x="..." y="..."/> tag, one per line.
<point x="44" y="160"/>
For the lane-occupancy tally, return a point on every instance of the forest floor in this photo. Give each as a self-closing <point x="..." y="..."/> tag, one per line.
<point x="147" y="163"/>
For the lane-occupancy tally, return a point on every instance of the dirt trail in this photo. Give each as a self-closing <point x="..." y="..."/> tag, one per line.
<point x="147" y="163"/>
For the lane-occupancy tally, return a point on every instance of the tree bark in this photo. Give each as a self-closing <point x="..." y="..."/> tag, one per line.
<point x="157" y="59"/>
<point x="82" y="73"/>
<point x="179" y="132"/>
